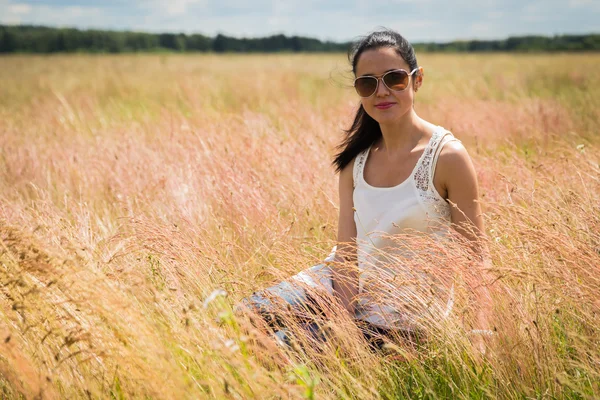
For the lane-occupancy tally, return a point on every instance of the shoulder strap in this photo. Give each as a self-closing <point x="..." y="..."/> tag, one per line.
<point x="445" y="137"/>
<point x="359" y="166"/>
<point x="424" y="171"/>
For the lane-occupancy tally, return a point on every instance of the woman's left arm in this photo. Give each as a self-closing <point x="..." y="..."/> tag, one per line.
<point x="458" y="180"/>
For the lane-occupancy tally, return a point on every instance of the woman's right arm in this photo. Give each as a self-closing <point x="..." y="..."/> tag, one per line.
<point x="345" y="280"/>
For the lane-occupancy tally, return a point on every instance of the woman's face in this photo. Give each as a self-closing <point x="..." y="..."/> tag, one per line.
<point x="385" y="105"/>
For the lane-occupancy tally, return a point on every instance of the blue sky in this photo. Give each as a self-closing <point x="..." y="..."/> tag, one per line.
<point x="418" y="20"/>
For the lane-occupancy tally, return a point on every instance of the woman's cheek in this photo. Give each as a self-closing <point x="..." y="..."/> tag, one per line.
<point x="368" y="108"/>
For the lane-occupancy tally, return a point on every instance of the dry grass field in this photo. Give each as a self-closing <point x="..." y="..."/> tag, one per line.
<point x="135" y="186"/>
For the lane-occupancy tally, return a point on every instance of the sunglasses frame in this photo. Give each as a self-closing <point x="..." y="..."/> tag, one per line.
<point x="381" y="77"/>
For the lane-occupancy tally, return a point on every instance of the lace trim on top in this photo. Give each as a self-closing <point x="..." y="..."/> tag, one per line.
<point x="423" y="176"/>
<point x="359" y="166"/>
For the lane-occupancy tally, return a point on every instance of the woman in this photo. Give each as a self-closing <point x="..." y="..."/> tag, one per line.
<point x="400" y="176"/>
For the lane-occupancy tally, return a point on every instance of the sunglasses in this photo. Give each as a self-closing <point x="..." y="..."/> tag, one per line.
<point x="396" y="80"/>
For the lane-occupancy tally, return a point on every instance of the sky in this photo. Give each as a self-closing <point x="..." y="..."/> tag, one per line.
<point x="337" y="20"/>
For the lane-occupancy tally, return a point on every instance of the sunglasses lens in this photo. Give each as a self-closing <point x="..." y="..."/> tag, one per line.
<point x="365" y="86"/>
<point x="396" y="80"/>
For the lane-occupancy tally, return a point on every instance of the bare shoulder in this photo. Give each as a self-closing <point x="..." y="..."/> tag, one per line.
<point x="455" y="170"/>
<point x="453" y="152"/>
<point x="454" y="158"/>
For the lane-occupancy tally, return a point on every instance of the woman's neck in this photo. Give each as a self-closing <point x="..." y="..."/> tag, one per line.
<point x="403" y="134"/>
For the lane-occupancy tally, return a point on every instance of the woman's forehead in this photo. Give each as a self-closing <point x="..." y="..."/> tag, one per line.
<point x="378" y="61"/>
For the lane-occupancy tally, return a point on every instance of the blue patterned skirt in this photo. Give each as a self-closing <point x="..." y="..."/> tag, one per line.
<point x="299" y="295"/>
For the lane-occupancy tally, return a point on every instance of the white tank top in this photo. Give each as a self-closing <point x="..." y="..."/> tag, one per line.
<point x="413" y="207"/>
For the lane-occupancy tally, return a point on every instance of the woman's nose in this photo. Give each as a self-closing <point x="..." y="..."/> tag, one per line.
<point x="382" y="90"/>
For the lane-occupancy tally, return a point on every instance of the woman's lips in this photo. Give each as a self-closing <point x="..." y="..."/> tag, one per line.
<point x="384" y="106"/>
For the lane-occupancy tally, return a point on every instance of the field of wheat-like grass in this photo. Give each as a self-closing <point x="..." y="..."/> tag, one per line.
<point x="142" y="196"/>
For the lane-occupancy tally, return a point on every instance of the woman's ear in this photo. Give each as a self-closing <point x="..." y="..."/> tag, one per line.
<point x="419" y="78"/>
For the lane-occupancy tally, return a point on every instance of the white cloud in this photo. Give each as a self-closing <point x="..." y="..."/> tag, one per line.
<point x="177" y="7"/>
<point x="495" y="14"/>
<point x="480" y="29"/>
<point x="17" y="13"/>
<point x="77" y="11"/>
<point x="19" y="8"/>
<point x="277" y="22"/>
<point x="580" y="3"/>
<point x="590" y="5"/>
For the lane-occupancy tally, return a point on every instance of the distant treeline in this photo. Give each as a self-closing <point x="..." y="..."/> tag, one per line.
<point x="39" y="39"/>
<point x="36" y="39"/>
<point x="589" y="42"/>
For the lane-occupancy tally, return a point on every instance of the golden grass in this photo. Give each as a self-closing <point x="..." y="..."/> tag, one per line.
<point x="135" y="186"/>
